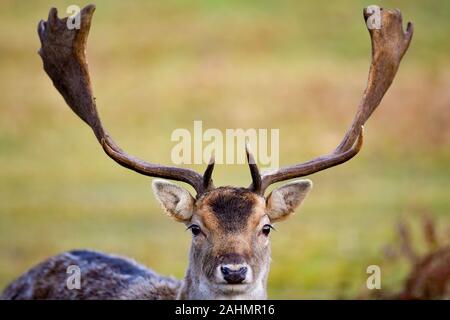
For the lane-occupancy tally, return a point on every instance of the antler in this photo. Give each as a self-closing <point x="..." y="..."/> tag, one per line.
<point x="389" y="44"/>
<point x="63" y="53"/>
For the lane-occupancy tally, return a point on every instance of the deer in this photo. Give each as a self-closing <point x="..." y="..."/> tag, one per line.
<point x="230" y="250"/>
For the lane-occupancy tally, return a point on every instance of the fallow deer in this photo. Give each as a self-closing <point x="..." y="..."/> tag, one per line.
<point x="230" y="249"/>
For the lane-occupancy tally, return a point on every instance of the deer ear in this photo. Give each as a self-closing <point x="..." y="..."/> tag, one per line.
<point x="282" y="202"/>
<point x="176" y="201"/>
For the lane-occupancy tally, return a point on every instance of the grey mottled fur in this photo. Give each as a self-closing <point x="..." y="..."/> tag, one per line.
<point x="103" y="276"/>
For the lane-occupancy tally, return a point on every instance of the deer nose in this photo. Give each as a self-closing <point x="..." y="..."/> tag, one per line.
<point x="234" y="273"/>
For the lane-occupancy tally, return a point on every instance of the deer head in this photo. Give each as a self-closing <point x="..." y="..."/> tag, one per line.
<point x="230" y="251"/>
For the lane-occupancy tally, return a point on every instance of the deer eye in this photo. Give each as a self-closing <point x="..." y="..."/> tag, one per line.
<point x="195" y="229"/>
<point x="266" y="229"/>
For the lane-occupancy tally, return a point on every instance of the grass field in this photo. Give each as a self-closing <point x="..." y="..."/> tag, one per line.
<point x="159" y="65"/>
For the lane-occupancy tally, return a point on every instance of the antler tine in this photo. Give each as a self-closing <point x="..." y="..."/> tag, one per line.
<point x="254" y="170"/>
<point x="207" y="180"/>
<point x="63" y="54"/>
<point x="389" y="44"/>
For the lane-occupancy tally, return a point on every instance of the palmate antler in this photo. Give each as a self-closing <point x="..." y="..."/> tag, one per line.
<point x="389" y="44"/>
<point x="63" y="53"/>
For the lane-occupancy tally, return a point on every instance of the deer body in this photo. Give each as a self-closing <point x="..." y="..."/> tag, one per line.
<point x="230" y="249"/>
<point x="109" y="277"/>
<point x="102" y="277"/>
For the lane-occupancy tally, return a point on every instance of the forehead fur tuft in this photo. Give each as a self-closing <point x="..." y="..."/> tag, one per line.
<point x="231" y="206"/>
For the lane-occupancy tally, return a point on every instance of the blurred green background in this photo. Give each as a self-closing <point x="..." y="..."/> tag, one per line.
<point x="159" y="65"/>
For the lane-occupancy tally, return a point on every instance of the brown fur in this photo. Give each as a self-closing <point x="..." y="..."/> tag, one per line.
<point x="231" y="207"/>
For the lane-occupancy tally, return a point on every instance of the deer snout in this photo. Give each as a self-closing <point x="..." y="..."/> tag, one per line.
<point x="234" y="273"/>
